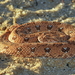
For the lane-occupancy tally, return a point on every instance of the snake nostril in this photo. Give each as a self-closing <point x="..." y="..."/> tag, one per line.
<point x="47" y="49"/>
<point x="49" y="27"/>
<point x="65" y="49"/>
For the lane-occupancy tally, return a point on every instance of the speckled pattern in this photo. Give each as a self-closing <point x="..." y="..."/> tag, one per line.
<point x="57" y="41"/>
<point x="25" y="11"/>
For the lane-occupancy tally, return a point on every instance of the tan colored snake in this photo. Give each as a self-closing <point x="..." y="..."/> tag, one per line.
<point x="51" y="39"/>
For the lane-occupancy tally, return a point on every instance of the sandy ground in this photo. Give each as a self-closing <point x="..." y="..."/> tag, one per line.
<point x="24" y="11"/>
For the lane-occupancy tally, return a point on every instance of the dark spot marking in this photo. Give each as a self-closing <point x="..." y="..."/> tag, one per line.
<point x="37" y="27"/>
<point x="29" y="29"/>
<point x="47" y="49"/>
<point x="65" y="49"/>
<point x="33" y="49"/>
<point x="49" y="27"/>
<point x="60" y="29"/>
<point x="6" y="47"/>
<point x="26" y="39"/>
<point x="24" y="32"/>
<point x="19" y="49"/>
<point x="67" y="37"/>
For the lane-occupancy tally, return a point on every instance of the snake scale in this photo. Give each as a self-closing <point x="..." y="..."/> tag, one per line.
<point x="35" y="39"/>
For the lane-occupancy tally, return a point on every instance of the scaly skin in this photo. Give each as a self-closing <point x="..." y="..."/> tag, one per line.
<point x="50" y="39"/>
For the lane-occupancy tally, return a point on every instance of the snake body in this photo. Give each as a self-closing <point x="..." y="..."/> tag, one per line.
<point x="35" y="39"/>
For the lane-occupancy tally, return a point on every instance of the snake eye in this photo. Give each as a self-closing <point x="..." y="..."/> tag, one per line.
<point x="47" y="49"/>
<point x="37" y="27"/>
<point x="49" y="27"/>
<point x="65" y="49"/>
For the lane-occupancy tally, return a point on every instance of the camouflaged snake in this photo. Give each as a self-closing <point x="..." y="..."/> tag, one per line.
<point x="35" y="39"/>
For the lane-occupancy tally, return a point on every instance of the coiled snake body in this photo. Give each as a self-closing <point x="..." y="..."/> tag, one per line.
<point x="51" y="39"/>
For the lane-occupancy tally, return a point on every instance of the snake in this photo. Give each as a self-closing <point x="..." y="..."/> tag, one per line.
<point x="39" y="39"/>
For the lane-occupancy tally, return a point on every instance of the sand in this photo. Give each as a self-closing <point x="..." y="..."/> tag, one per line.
<point x="25" y="11"/>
